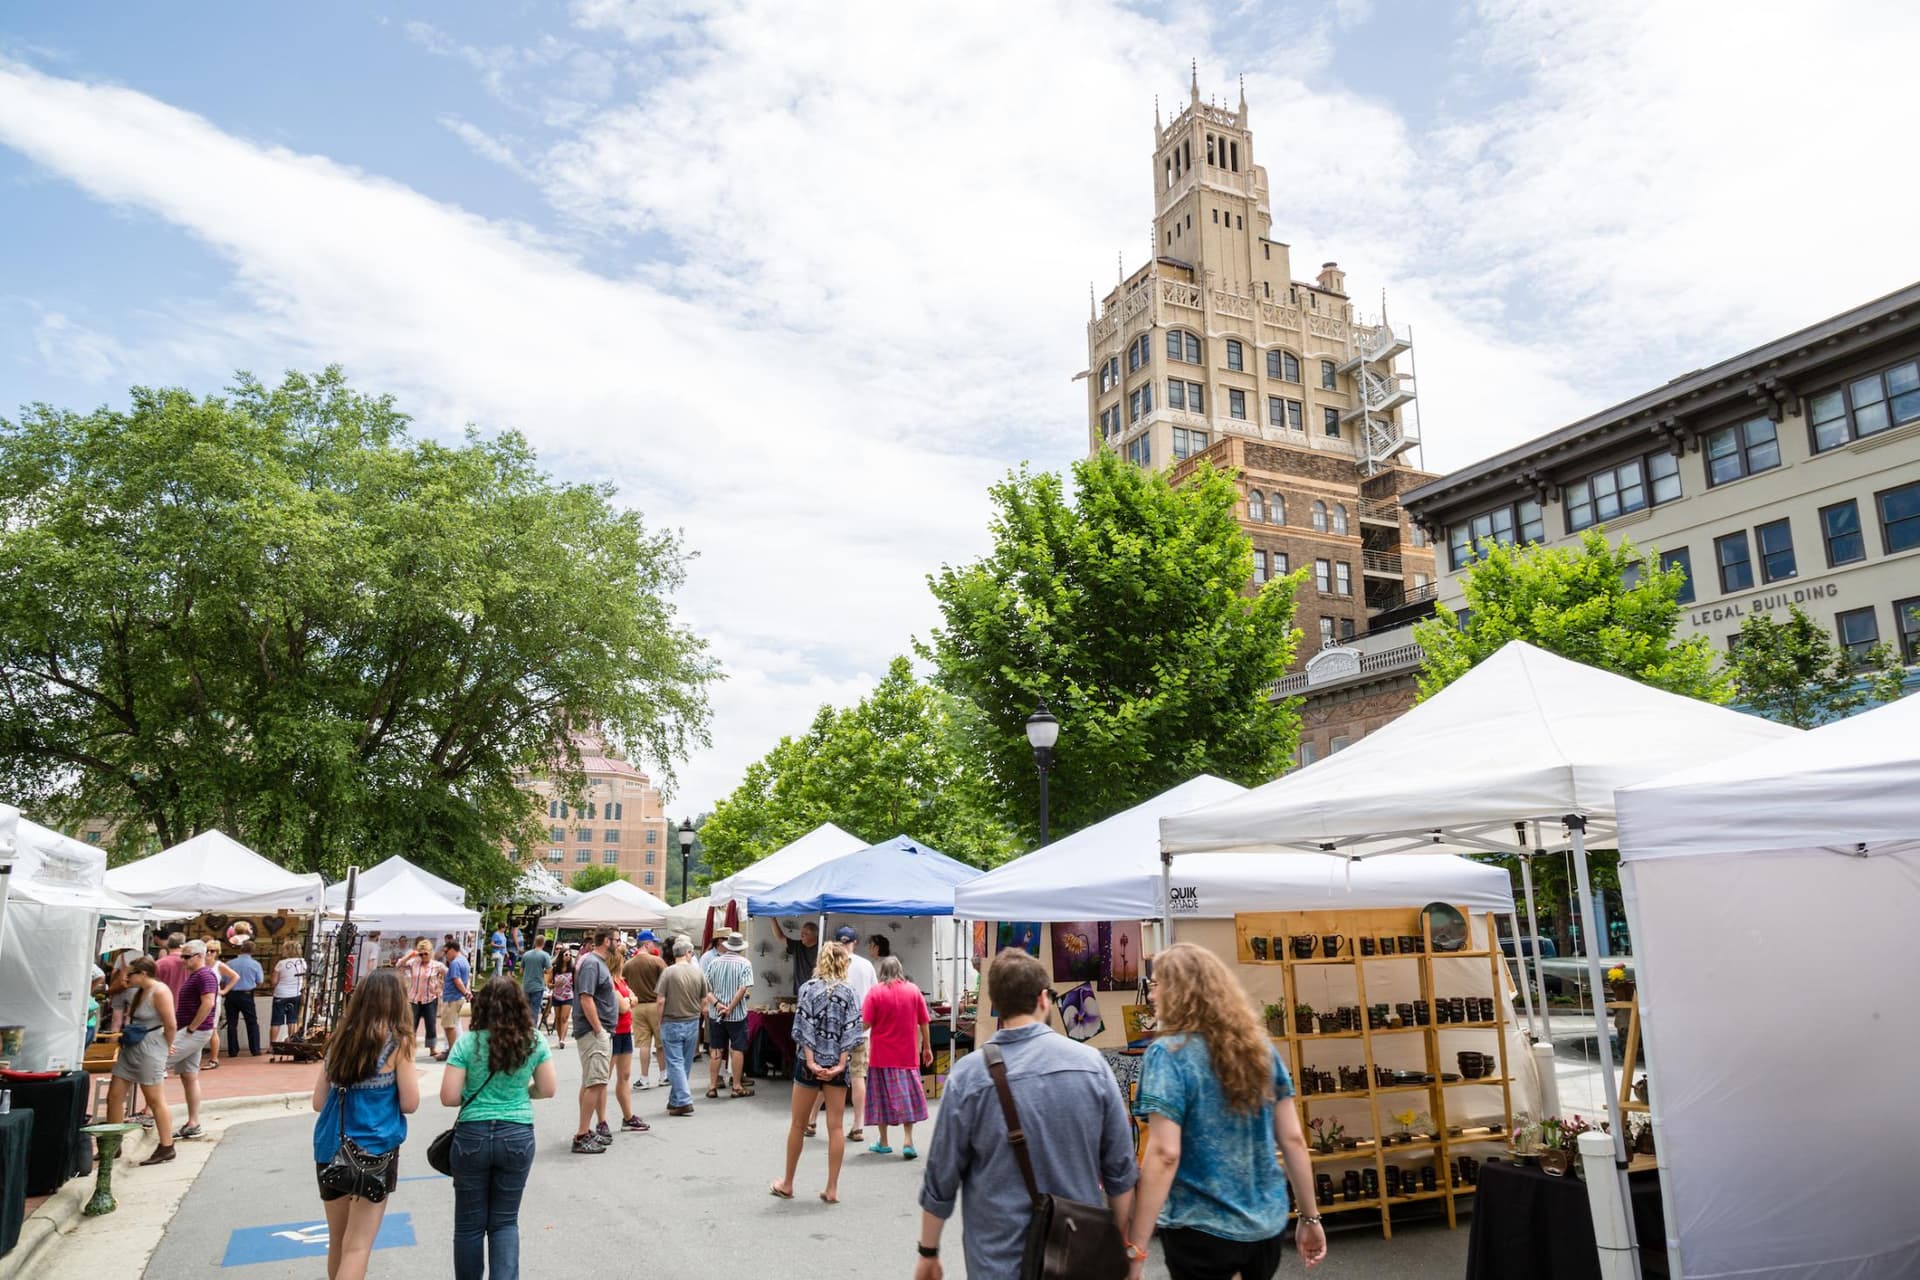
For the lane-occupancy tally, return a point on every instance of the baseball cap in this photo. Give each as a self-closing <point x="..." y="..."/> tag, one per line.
<point x="846" y="933"/>
<point x="194" y="947"/>
<point x="646" y="935"/>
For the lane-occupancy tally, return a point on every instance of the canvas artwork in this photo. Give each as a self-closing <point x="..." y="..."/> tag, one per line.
<point x="1080" y="1013"/>
<point x="1076" y="951"/>
<point x="1024" y="934"/>
<point x="979" y="939"/>
<point x="1139" y="1022"/>
<point x="1119" y="955"/>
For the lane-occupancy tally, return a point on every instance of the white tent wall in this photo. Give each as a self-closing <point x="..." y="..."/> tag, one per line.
<point x="46" y="981"/>
<point x="1781" y="1043"/>
<point x="912" y="938"/>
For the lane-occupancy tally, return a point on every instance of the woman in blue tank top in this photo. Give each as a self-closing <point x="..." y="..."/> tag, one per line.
<point x="368" y="1088"/>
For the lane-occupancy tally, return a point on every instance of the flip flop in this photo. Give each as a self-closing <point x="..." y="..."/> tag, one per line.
<point x="829" y="1199"/>
<point x="776" y="1191"/>
<point x="856" y="1134"/>
<point x="743" y="1093"/>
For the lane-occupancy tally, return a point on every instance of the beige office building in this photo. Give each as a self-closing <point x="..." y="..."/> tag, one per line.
<point x="617" y="822"/>
<point x="1213" y="352"/>
<point x="1786" y="475"/>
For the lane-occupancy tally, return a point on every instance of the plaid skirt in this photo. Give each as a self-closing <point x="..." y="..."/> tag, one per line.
<point x="894" y="1096"/>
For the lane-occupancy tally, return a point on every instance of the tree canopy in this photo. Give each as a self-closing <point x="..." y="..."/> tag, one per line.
<point x="895" y="764"/>
<point x="275" y="613"/>
<point x="1610" y="607"/>
<point x="1793" y="671"/>
<point x="1126" y="610"/>
<point x="587" y="879"/>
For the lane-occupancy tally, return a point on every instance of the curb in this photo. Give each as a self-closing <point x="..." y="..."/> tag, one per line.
<point x="60" y="1215"/>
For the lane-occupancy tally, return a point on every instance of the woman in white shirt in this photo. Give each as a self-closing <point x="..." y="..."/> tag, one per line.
<point x="289" y="977"/>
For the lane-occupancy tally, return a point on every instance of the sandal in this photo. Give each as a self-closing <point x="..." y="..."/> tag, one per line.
<point x="775" y="1190"/>
<point x="856" y="1134"/>
<point x="829" y="1199"/>
<point x="744" y="1093"/>
<point x="713" y="1093"/>
<point x="810" y="1132"/>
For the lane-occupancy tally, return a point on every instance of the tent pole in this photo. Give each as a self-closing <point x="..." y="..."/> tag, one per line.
<point x="1526" y="991"/>
<point x="1533" y="923"/>
<point x="1577" y="825"/>
<point x="1166" y="899"/>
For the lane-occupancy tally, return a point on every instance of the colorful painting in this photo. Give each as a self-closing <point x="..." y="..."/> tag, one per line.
<point x="1139" y="1021"/>
<point x="1119" y="955"/>
<point x="979" y="939"/>
<point x="1080" y="1013"/>
<point x="1021" y="934"/>
<point x="1076" y="951"/>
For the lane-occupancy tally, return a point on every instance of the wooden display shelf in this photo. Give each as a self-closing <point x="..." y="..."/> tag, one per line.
<point x="1335" y="1093"/>
<point x="1342" y="1206"/>
<point x="1457" y="1084"/>
<point x="1365" y="1151"/>
<point x="1329" y="1035"/>
<point x="1322" y="960"/>
<point x="1458" y="955"/>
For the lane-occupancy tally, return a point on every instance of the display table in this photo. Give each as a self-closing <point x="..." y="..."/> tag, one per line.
<point x="1528" y="1224"/>
<point x="16" y="1141"/>
<point x="770" y="1050"/>
<point x="59" y="1108"/>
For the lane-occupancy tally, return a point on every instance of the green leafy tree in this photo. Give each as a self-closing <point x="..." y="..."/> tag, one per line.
<point x="1610" y="607"/>
<point x="587" y="879"/>
<point x="1126" y="609"/>
<point x="895" y="764"/>
<point x="275" y="613"/>
<point x="1793" y="671"/>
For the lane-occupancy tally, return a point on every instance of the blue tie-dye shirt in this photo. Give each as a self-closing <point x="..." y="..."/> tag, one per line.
<point x="1230" y="1183"/>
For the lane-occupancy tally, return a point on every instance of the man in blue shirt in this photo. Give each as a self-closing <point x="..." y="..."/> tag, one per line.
<point x="455" y="991"/>
<point x="1071" y="1110"/>
<point x="498" y="945"/>
<point x="247" y="977"/>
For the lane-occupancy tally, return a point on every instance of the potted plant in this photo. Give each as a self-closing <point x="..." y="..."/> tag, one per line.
<point x="1642" y="1135"/>
<point x="1329" y="1023"/>
<point x="1327" y="1134"/>
<point x="1276" y="1017"/>
<point x="1303" y="1019"/>
<point x="1640" y="1089"/>
<point x="1405" y="1120"/>
<point x="1620" y="984"/>
<point x="1554" y="1157"/>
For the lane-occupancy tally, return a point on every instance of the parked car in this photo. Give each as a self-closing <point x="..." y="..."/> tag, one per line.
<point x="1534" y="946"/>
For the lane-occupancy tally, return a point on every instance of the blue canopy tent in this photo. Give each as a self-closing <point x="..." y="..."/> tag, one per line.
<point x="898" y="877"/>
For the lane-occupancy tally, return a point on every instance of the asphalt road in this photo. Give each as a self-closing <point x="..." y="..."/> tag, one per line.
<point x="688" y="1198"/>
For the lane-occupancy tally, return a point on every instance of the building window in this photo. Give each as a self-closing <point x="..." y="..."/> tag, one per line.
<point x="1139" y="353"/>
<point x="613" y="835"/>
<point x="553" y="808"/>
<point x="616" y="811"/>
<point x="1775" y="540"/>
<point x="1346" y="628"/>
<point x="1899" y="517"/>
<point x="563" y="809"/>
<point x="1606" y="494"/>
<point x="584" y="835"/>
<point x="1184" y="395"/>
<point x="1866" y="406"/>
<point x="1733" y="452"/>
<point x="1110" y="374"/>
<point x="1279" y="564"/>
<point x="1187" y="443"/>
<point x="1237" y="404"/>
<point x="1256" y="505"/>
<point x="1736" y="562"/>
<point x="1343" y="578"/>
<point x="1139" y="451"/>
<point x="1110" y="422"/>
<point x="1416" y="536"/>
<point x="583" y="857"/>
<point x="649" y="857"/>
<point x="1259" y="566"/>
<point x="1319" y="516"/>
<point x="593" y="810"/>
<point x="1276" y="412"/>
<point x="1680" y="559"/>
<point x="1859" y="631"/>
<point x="1330" y="421"/>
<point x="653" y="837"/>
<point x="1274" y="365"/>
<point x="1235" y="354"/>
<point x="1183" y="346"/>
<point x="557" y="833"/>
<point x="1276" y="509"/>
<point x="1295" y="416"/>
<point x="1339" y="517"/>
<point x="1323" y="576"/>
<point x="556" y="855"/>
<point x="610" y="857"/>
<point x="1326" y="632"/>
<point x="1663" y="477"/>
<point x="1497" y="525"/>
<point x="1906" y="617"/>
<point x="1327" y="380"/>
<point x="1139" y="402"/>
<point x="1840" y="527"/>
<point x="1307" y="754"/>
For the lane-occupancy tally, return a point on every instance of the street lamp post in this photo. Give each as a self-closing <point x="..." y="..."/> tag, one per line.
<point x="686" y="858"/>
<point x="1042" y="732"/>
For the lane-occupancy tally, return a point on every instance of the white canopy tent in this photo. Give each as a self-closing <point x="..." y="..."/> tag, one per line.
<point x="375" y="877"/>
<point x="1808" y="852"/>
<point x="408" y="901"/>
<point x="1525" y="740"/>
<point x="620" y="904"/>
<point x="537" y="884"/>
<point x="819" y="846"/>
<point x="214" y="872"/>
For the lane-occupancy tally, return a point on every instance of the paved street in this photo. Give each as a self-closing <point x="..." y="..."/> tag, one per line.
<point x="687" y="1198"/>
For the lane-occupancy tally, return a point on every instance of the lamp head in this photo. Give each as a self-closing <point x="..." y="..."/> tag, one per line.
<point x="686" y="834"/>
<point x="1043" y="730"/>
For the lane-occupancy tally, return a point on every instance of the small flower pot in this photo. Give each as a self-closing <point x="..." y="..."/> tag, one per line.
<point x="1643" y="1142"/>
<point x="1329" y="1023"/>
<point x="1303" y="1024"/>
<point x="1556" y="1162"/>
<point x="1624" y="989"/>
<point x="1276" y="1025"/>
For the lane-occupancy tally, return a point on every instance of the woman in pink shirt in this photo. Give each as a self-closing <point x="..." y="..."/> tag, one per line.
<point x="896" y="1014"/>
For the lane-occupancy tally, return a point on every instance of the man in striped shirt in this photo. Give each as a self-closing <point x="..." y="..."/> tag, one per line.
<point x="729" y="984"/>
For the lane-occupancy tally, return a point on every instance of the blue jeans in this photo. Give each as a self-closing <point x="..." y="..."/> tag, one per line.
<point x="491" y="1160"/>
<point x="534" y="998"/>
<point x="681" y="1038"/>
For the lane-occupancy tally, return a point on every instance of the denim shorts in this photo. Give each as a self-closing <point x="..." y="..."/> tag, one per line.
<point x="807" y="1080"/>
<point x="622" y="1042"/>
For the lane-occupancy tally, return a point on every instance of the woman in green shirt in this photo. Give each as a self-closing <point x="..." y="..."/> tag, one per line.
<point x="509" y="1065"/>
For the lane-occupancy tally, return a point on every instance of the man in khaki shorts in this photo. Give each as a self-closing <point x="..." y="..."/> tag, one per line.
<point x="596" y="1008"/>
<point x="454" y="996"/>
<point x="643" y="979"/>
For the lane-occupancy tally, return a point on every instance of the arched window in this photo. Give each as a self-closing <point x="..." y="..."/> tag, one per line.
<point x="1183" y="346"/>
<point x="553" y="808"/>
<point x="1339" y="517"/>
<point x="1256" y="506"/>
<point x="1319" y="516"/>
<point x="1276" y="510"/>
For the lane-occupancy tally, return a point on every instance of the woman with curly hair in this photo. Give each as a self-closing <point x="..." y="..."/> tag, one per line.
<point x="493" y="1074"/>
<point x="1217" y="1098"/>
<point x="365" y="1093"/>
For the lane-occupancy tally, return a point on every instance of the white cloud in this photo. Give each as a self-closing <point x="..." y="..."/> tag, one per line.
<point x="882" y="219"/>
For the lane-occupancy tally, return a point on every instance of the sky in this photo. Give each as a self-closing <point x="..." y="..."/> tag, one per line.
<point x="803" y="279"/>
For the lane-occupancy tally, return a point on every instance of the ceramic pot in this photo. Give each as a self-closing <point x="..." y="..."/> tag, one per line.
<point x="1276" y="1025"/>
<point x="1259" y="948"/>
<point x="1303" y="1024"/>
<point x="1556" y="1162"/>
<point x="1624" y="989"/>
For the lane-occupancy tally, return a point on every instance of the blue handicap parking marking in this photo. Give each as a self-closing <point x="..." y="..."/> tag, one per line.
<point x="290" y="1241"/>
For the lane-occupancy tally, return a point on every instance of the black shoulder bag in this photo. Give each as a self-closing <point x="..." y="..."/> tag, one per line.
<point x="352" y="1172"/>
<point x="1066" y="1240"/>
<point x="440" y="1150"/>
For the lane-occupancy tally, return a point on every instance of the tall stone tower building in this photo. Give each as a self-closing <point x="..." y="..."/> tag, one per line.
<point x="1212" y="351"/>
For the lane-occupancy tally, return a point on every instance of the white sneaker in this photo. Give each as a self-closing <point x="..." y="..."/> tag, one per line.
<point x="641" y="1083"/>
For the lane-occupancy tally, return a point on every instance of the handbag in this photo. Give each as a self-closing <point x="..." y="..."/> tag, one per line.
<point x="353" y="1172"/>
<point x="1066" y="1240"/>
<point x="440" y="1150"/>
<point x="133" y="1033"/>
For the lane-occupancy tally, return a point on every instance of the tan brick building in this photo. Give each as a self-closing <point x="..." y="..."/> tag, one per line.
<point x="1213" y="352"/>
<point x="617" y="822"/>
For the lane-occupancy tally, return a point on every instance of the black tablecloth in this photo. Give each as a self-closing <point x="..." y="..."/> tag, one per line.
<point x="59" y="1149"/>
<point x="16" y="1140"/>
<point x="1528" y="1224"/>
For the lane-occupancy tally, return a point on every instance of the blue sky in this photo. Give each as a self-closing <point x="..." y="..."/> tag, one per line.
<point x="803" y="279"/>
